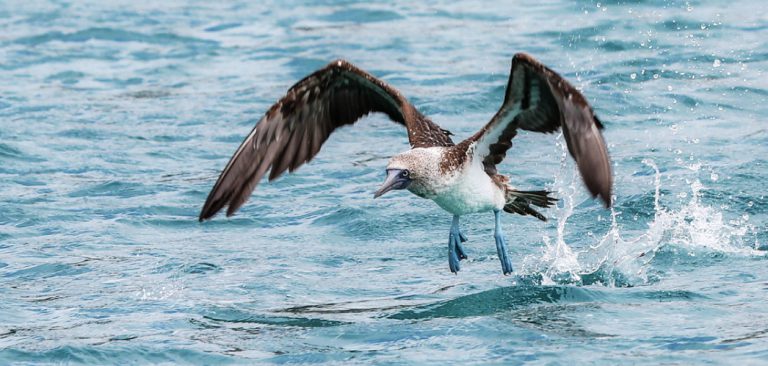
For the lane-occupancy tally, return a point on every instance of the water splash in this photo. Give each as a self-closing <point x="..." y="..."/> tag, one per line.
<point x="622" y="257"/>
<point x="559" y="263"/>
<point x="698" y="227"/>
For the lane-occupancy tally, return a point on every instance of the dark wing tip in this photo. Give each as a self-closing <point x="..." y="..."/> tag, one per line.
<point x="524" y="56"/>
<point x="204" y="216"/>
<point x="605" y="192"/>
<point x="339" y="62"/>
<point x="594" y="166"/>
<point x="606" y="196"/>
<point x="209" y="210"/>
<point x="597" y="121"/>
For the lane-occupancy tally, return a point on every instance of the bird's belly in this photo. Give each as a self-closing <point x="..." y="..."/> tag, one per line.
<point x="471" y="195"/>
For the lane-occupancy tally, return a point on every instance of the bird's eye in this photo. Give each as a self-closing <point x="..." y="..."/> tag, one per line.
<point x="405" y="173"/>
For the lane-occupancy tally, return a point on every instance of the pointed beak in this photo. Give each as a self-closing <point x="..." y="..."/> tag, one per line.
<point x="394" y="181"/>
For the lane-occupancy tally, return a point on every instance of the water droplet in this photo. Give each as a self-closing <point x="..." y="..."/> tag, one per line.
<point x="633" y="76"/>
<point x="655" y="76"/>
<point x="669" y="87"/>
<point x="716" y="63"/>
<point x="714" y="177"/>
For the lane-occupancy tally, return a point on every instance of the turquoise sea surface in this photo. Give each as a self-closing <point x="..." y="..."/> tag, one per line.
<point x="116" y="118"/>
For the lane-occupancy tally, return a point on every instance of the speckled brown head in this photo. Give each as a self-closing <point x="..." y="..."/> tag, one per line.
<point x="414" y="169"/>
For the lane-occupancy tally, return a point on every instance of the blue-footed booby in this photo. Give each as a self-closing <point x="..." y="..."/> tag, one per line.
<point x="461" y="178"/>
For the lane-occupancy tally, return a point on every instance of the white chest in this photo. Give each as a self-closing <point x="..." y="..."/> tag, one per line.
<point x="465" y="190"/>
<point x="470" y="190"/>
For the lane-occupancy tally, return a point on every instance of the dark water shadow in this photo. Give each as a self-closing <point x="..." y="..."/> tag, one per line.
<point x="556" y="319"/>
<point x="366" y="306"/>
<point x="233" y="315"/>
<point x="509" y="299"/>
<point x="499" y="300"/>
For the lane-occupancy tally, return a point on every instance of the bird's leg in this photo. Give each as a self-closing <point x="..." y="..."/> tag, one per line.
<point x="501" y="245"/>
<point x="455" y="250"/>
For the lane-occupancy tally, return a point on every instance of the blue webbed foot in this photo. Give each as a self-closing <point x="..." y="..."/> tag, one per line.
<point x="460" y="248"/>
<point x="454" y="243"/>
<point x="501" y="246"/>
<point x="456" y="251"/>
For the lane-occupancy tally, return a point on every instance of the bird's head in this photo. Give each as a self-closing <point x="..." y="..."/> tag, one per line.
<point x="401" y="173"/>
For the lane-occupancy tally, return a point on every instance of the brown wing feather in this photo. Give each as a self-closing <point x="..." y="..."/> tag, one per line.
<point x="538" y="99"/>
<point x="293" y="129"/>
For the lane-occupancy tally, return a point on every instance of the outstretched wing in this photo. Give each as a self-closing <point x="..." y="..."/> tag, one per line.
<point x="538" y="99"/>
<point x="293" y="129"/>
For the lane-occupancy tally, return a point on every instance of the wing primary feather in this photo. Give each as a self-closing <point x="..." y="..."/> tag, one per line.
<point x="287" y="153"/>
<point x="525" y="103"/>
<point x="303" y="149"/>
<point x="294" y="129"/>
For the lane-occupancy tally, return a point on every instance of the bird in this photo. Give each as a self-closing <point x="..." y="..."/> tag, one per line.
<point x="461" y="178"/>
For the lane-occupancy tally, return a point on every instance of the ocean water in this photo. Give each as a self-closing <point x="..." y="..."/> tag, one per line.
<point x="116" y="117"/>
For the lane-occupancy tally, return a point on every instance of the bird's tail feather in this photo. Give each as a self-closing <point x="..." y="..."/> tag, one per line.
<point x="520" y="202"/>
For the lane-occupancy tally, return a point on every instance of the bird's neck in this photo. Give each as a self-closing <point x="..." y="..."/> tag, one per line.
<point x="433" y="179"/>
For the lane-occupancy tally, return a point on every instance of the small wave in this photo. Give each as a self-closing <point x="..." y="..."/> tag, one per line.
<point x="232" y="315"/>
<point x="112" y="188"/>
<point x="222" y="27"/>
<point x="47" y="270"/>
<point x="358" y="15"/>
<point x="148" y="94"/>
<point x="107" y="354"/>
<point x="7" y="151"/>
<point x="111" y="34"/>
